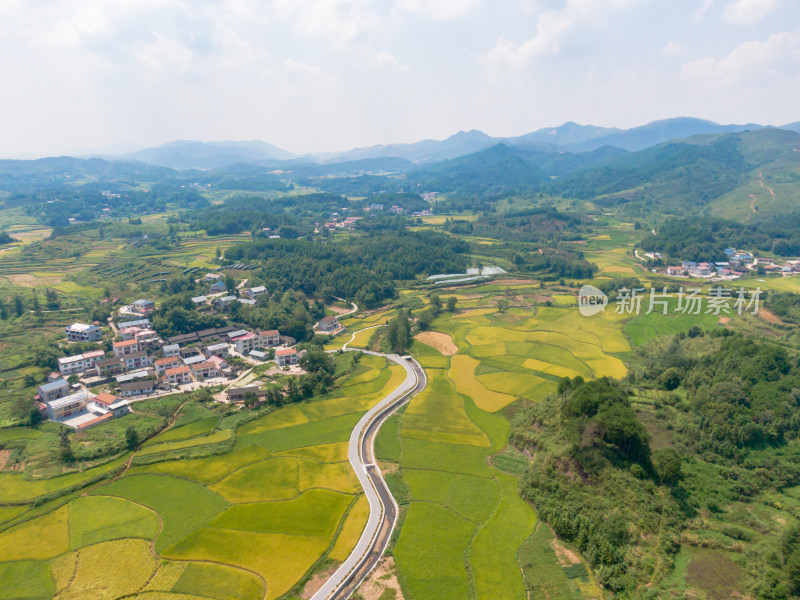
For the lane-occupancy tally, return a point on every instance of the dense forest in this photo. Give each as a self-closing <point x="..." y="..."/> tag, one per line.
<point x="363" y="270"/>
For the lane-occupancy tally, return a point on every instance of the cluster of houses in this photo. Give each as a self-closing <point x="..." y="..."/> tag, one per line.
<point x="338" y="223"/>
<point x="141" y="363"/>
<point x="737" y="264"/>
<point x="218" y="298"/>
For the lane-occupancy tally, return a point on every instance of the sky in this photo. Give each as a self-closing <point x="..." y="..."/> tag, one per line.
<point x="328" y="75"/>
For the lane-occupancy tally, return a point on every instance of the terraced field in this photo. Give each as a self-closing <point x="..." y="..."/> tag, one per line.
<point x="246" y="524"/>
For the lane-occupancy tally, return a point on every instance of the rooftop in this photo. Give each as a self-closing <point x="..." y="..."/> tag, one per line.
<point x="107" y="399"/>
<point x="145" y="384"/>
<point x="67" y="400"/>
<point x="285" y="351"/>
<point x="177" y="370"/>
<point x="125" y="343"/>
<point x="54" y="385"/>
<point x="81" y="327"/>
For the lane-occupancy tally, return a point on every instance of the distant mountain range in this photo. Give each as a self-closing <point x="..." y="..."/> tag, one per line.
<point x="569" y="137"/>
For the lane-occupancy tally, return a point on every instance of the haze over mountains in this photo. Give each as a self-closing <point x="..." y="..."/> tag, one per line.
<point x="569" y="137"/>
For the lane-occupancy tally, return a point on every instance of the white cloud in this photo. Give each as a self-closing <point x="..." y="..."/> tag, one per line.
<point x="747" y="12"/>
<point x="439" y="9"/>
<point x="341" y="21"/>
<point x="672" y="49"/>
<point x="702" y="10"/>
<point x="552" y="27"/>
<point x="778" y="57"/>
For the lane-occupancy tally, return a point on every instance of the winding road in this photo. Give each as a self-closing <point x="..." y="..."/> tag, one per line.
<point x="382" y="507"/>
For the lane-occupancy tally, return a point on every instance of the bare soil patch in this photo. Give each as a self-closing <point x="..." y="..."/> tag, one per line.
<point x="317" y="581"/>
<point x="441" y="341"/>
<point x="4" y="456"/>
<point x="383" y="577"/>
<point x="769" y="316"/>
<point x="565" y="556"/>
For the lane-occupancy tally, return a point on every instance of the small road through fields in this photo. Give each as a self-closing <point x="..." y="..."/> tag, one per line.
<point x="382" y="506"/>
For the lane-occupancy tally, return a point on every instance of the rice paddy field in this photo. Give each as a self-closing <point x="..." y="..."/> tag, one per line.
<point x="248" y="523"/>
<point x="466" y="532"/>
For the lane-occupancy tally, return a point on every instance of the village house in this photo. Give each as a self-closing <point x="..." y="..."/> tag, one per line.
<point x="129" y="333"/>
<point x="286" y="356"/>
<point x="125" y="347"/>
<point x="329" y="324"/>
<point x="80" y="332"/>
<point x="79" y="363"/>
<point x="219" y="362"/>
<point x="217" y="287"/>
<point x="143" y="306"/>
<point x="170" y="362"/>
<point x="255" y="292"/>
<point x="109" y="366"/>
<point x="194" y="359"/>
<point x="238" y="394"/>
<point x="61" y="408"/>
<point x="269" y="337"/>
<point x="221" y="349"/>
<point x="141" y="387"/>
<point x="247" y="342"/>
<point x="105" y="403"/>
<point x="674" y="271"/>
<point x="171" y="350"/>
<point x="225" y="301"/>
<point x="204" y="370"/>
<point x="246" y="301"/>
<point x="134" y="375"/>
<point x="179" y="375"/>
<point x="141" y="323"/>
<point x="53" y="390"/>
<point x="212" y="277"/>
<point x="199" y="301"/>
<point x="137" y="360"/>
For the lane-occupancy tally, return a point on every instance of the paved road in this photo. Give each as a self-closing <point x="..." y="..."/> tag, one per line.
<point x="382" y="506"/>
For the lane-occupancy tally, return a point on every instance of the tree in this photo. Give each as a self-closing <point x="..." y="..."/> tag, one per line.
<point x="37" y="310"/>
<point x="668" y="465"/>
<point x="64" y="447"/>
<point x="18" y="308"/>
<point x="250" y="399"/>
<point x="670" y="379"/>
<point x="399" y="330"/>
<point x="230" y="284"/>
<point x="3" y="310"/>
<point x="436" y="304"/>
<point x="131" y="438"/>
<point x="451" y="303"/>
<point x="502" y="305"/>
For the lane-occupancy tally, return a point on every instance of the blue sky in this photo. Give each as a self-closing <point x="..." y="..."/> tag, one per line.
<point x="326" y="75"/>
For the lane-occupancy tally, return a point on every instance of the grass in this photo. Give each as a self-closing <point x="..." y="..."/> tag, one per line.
<point x="273" y="479"/>
<point x="169" y="497"/>
<point x="495" y="570"/>
<point x="473" y="498"/>
<point x="430" y="553"/>
<point x="544" y="576"/>
<point x="18" y="433"/>
<point x="336" y="429"/>
<point x="214" y="438"/>
<point x="312" y="513"/>
<point x="93" y="581"/>
<point x="387" y="442"/>
<point x="197" y="428"/>
<point x="94" y="519"/>
<point x="206" y="470"/>
<point x="41" y="538"/>
<point x="15" y="488"/>
<point x="280" y="559"/>
<point x="353" y="526"/>
<point x="219" y="582"/>
<point x="26" y="580"/>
